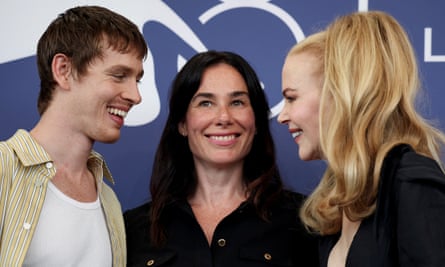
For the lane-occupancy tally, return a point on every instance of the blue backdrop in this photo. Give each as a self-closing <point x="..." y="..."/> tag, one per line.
<point x="262" y="31"/>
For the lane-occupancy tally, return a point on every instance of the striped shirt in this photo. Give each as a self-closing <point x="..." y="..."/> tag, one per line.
<point x="25" y="169"/>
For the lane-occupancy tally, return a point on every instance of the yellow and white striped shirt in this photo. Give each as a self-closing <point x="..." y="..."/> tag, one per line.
<point x="25" y="169"/>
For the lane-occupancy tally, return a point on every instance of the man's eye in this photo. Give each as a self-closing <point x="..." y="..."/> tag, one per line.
<point x="118" y="76"/>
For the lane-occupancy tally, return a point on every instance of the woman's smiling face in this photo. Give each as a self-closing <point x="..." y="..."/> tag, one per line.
<point x="302" y="82"/>
<point x="220" y="122"/>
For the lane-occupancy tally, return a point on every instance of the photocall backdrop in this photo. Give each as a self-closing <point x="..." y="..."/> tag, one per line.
<point x="262" y="31"/>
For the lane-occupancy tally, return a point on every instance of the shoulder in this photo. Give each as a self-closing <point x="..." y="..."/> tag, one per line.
<point x="20" y="151"/>
<point x="7" y="147"/>
<point x="286" y="209"/>
<point x="410" y="178"/>
<point x="139" y="210"/>
<point x="290" y="200"/>
<point x="137" y="230"/>
<point x="6" y="151"/>
<point x="413" y="167"/>
<point x="137" y="216"/>
<point x="24" y="147"/>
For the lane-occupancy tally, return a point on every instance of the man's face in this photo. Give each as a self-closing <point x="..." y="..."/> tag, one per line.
<point x="104" y="95"/>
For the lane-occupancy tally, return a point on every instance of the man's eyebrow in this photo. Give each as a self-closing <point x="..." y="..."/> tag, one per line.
<point x="125" y="69"/>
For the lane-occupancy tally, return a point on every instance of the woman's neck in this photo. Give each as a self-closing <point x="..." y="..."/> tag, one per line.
<point x="339" y="253"/>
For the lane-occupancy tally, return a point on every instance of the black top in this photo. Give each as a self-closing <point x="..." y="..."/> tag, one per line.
<point x="408" y="227"/>
<point x="241" y="239"/>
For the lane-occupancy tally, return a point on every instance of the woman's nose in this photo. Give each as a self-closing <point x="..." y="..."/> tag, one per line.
<point x="282" y="116"/>
<point x="224" y="116"/>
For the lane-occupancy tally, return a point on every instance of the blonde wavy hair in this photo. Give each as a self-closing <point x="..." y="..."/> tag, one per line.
<point x="367" y="107"/>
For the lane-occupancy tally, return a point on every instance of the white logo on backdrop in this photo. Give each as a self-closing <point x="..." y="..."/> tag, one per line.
<point x="23" y="22"/>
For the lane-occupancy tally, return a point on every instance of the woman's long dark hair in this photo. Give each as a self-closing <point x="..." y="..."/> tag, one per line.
<point x="173" y="176"/>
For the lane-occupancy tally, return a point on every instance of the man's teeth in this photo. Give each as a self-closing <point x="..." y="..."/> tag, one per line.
<point x="117" y="112"/>
<point x="296" y="134"/>
<point x="223" y="138"/>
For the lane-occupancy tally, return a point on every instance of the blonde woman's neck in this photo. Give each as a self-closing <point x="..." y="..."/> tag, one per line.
<point x="339" y="253"/>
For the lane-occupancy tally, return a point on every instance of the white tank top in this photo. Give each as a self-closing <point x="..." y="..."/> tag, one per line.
<point x="69" y="233"/>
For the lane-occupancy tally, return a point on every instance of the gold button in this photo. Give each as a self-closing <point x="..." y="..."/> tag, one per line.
<point x="267" y="256"/>
<point x="150" y="262"/>
<point x="221" y="242"/>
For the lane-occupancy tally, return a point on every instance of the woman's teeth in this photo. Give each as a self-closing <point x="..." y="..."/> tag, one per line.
<point x="223" y="138"/>
<point x="296" y="134"/>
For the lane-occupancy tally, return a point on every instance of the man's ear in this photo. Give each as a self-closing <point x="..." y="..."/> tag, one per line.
<point x="61" y="68"/>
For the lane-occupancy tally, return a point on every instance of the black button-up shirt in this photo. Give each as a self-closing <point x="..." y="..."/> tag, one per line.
<point x="408" y="226"/>
<point x="242" y="239"/>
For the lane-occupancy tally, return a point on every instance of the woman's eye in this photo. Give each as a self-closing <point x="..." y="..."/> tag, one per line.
<point x="289" y="99"/>
<point x="205" y="103"/>
<point x="238" y="102"/>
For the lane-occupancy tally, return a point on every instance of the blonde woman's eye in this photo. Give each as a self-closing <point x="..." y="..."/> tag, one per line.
<point x="289" y="99"/>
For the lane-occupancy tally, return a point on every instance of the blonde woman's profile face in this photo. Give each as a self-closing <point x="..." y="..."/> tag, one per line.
<point x="302" y="82"/>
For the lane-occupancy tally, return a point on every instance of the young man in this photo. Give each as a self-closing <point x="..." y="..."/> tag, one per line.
<point x="55" y="209"/>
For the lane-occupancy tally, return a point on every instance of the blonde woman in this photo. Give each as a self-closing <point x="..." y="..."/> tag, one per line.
<point x="350" y="100"/>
